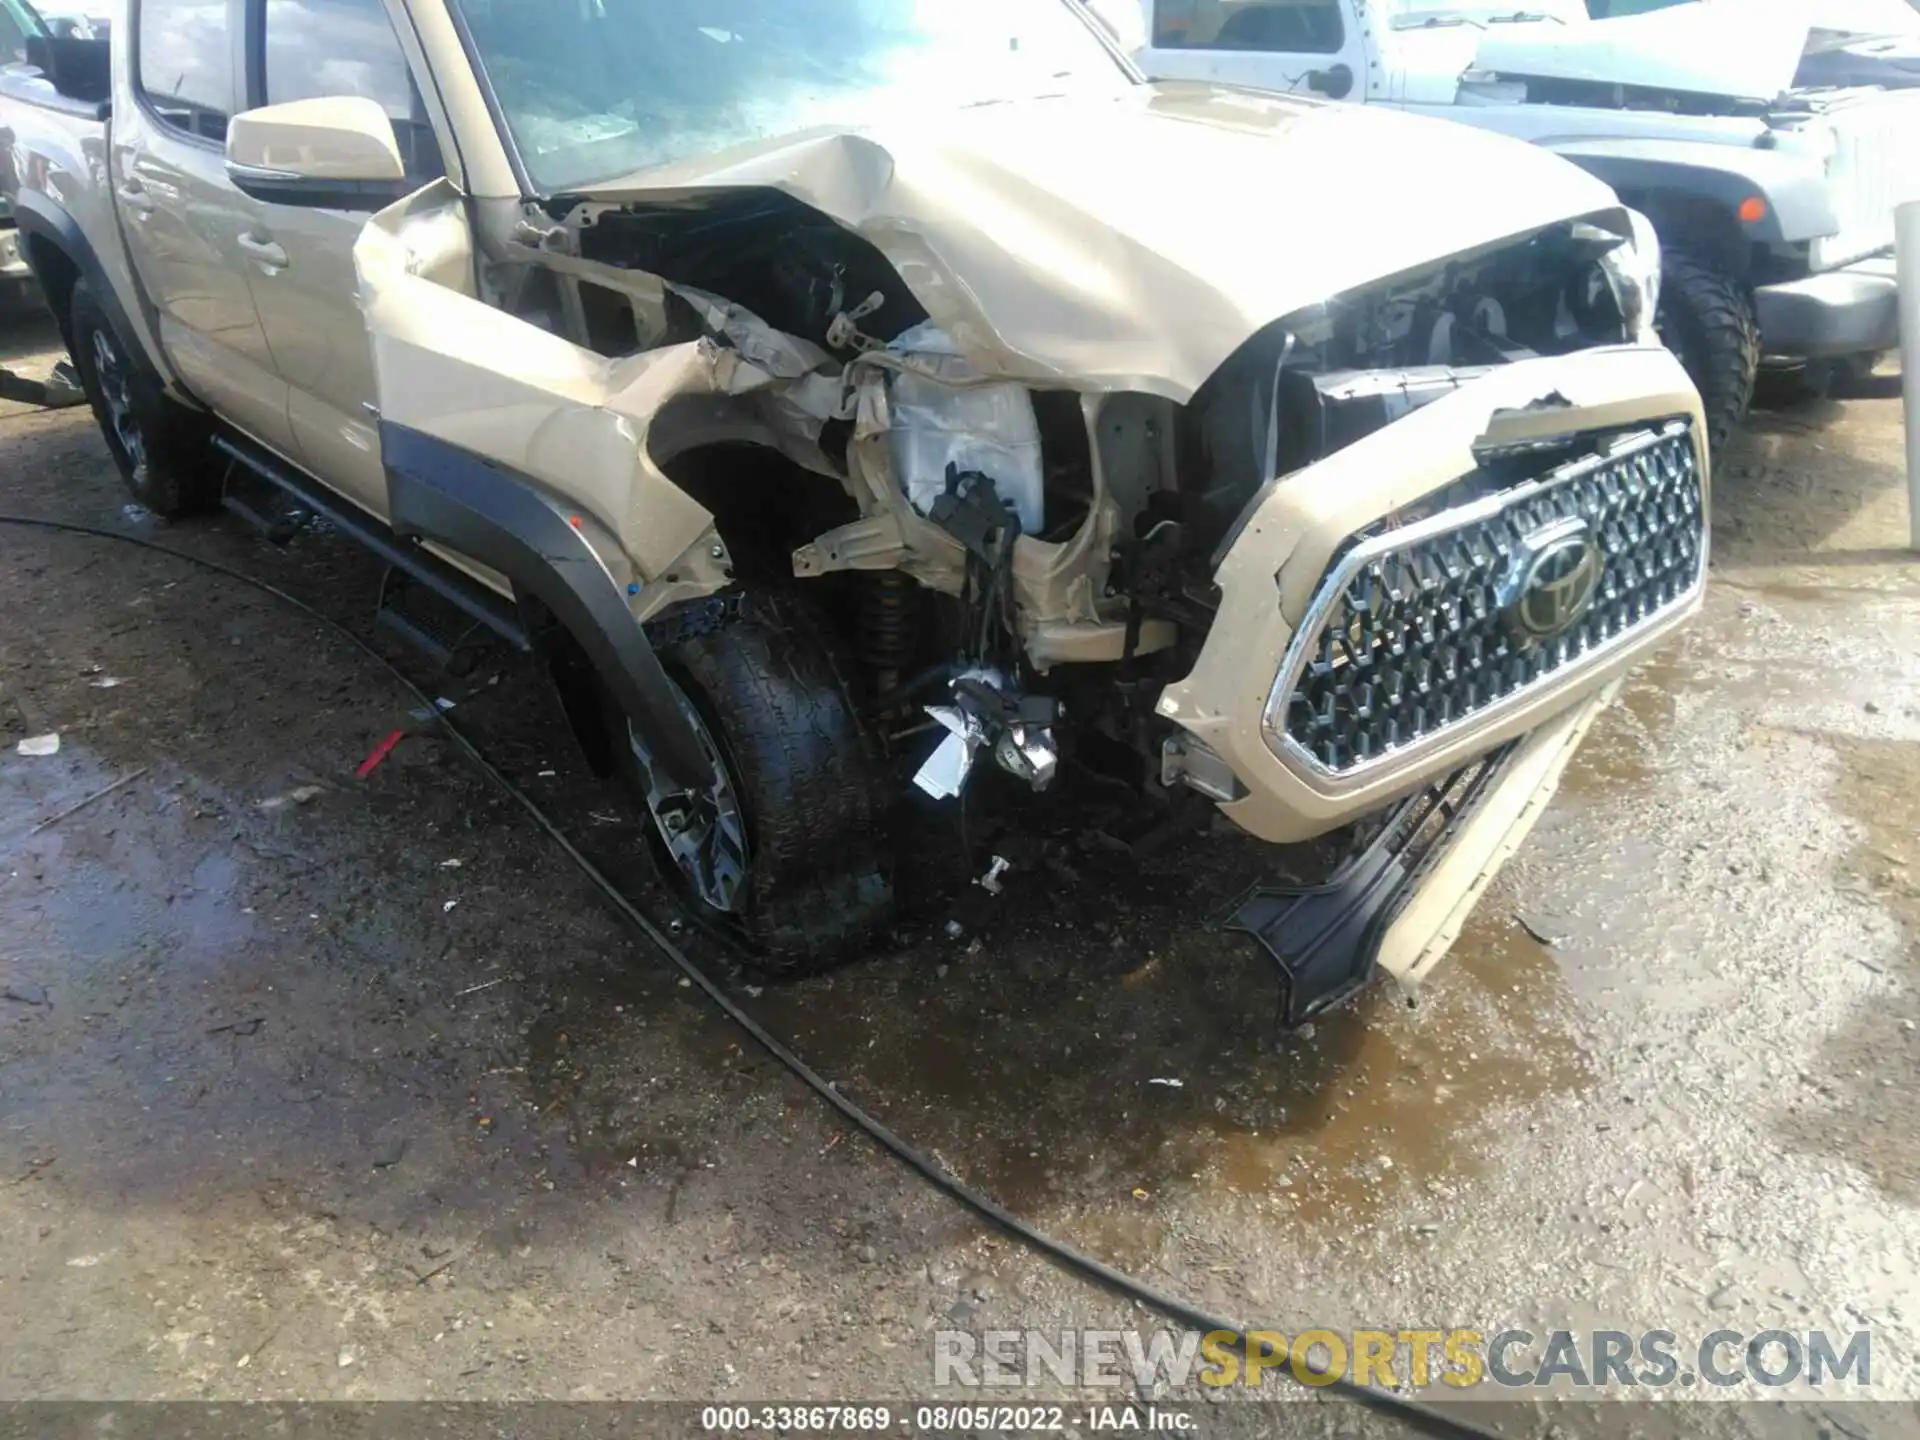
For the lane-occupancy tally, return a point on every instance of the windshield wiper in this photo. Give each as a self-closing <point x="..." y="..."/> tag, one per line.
<point x="1522" y="17"/>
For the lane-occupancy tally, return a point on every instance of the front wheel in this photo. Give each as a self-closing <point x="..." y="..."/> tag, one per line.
<point x="1706" y="318"/>
<point x="784" y="848"/>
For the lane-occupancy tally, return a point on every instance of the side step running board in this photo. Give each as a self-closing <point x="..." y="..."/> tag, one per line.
<point x="420" y="566"/>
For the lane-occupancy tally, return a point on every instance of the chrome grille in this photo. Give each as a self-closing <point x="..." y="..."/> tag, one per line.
<point x="1875" y="166"/>
<point x="1412" y="631"/>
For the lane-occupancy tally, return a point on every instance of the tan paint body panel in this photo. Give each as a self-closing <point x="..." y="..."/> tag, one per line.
<point x="1270" y="573"/>
<point x="557" y="413"/>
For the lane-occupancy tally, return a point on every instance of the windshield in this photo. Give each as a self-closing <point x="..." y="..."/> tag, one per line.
<point x="592" y="89"/>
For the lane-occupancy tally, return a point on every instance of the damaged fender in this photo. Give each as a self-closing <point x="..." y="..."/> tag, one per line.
<point x="527" y="460"/>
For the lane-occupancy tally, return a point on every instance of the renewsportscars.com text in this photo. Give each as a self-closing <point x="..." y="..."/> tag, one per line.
<point x="1461" y="1358"/>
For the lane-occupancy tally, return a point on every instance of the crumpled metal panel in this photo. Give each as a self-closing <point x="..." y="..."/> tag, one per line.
<point x="1135" y="242"/>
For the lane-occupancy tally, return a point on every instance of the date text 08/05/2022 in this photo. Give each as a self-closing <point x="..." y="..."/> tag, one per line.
<point x="943" y="1419"/>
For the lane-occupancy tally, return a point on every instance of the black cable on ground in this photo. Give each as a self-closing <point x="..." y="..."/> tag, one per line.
<point x="1419" y="1416"/>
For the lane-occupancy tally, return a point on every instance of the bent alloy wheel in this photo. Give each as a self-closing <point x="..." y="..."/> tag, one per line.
<point x="704" y="831"/>
<point x="784" y="847"/>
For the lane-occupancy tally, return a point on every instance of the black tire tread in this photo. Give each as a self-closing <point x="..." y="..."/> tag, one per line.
<point x="181" y="478"/>
<point x="1707" y="319"/>
<point x="769" y="682"/>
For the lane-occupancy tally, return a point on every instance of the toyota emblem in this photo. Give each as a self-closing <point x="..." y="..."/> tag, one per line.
<point x="1551" y="580"/>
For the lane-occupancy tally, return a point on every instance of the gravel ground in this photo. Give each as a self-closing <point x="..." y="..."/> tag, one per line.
<point x="313" y="1088"/>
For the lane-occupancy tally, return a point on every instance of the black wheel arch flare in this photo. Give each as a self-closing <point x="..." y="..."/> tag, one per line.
<point x="488" y="512"/>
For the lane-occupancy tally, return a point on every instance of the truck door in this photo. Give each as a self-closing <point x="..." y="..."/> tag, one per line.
<point x="179" y="210"/>
<point x="303" y="277"/>
<point x="1305" y="46"/>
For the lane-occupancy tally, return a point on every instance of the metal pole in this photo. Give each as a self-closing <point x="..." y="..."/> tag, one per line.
<point x="1906" y="232"/>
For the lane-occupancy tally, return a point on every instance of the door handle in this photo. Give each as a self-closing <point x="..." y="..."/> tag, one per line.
<point x="264" y="251"/>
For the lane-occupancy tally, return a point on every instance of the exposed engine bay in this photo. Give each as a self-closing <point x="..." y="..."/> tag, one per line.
<point x="998" y="553"/>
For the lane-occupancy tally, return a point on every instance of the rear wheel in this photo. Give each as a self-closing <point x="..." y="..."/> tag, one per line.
<point x="785" y="847"/>
<point x="160" y="446"/>
<point x="1706" y="318"/>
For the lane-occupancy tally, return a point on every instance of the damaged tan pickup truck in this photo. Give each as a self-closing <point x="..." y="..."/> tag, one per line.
<point x="791" y="373"/>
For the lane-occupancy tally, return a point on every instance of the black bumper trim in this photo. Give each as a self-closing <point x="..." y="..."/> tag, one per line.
<point x="1326" y="938"/>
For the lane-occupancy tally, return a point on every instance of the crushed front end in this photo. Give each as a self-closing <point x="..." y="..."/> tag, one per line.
<point x="1416" y="632"/>
<point x="1343" y="527"/>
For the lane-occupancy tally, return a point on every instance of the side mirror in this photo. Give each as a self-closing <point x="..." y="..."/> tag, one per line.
<point x="75" y="65"/>
<point x="1336" y="82"/>
<point x="336" y="153"/>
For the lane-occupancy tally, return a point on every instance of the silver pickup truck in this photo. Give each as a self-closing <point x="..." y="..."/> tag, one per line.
<point x="843" y="399"/>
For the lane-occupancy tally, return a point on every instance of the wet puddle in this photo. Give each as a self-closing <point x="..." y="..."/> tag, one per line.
<point x="1847" y="1113"/>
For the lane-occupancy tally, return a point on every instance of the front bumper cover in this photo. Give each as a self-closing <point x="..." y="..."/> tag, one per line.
<point x="1272" y="571"/>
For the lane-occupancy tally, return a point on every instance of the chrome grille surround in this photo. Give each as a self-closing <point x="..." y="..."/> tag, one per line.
<point x="1404" y="642"/>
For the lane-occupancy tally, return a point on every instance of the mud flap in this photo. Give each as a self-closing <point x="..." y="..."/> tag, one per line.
<point x="1326" y="938"/>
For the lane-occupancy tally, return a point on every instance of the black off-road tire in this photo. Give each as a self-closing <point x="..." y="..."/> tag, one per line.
<point x="1706" y="318"/>
<point x="768" y="685"/>
<point x="160" y="446"/>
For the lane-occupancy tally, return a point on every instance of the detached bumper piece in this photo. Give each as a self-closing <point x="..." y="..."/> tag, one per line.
<point x="1326" y="938"/>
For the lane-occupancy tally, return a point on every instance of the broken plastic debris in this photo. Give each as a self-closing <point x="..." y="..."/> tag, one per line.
<point x="303" y="795"/>
<point x="945" y="771"/>
<point x="954" y="929"/>
<point x="1168" y="1081"/>
<point x="39" y="745"/>
<point x="990" y="882"/>
<point x="378" y="754"/>
<point x="449" y="864"/>
<point x="107" y="682"/>
<point x="448" y="906"/>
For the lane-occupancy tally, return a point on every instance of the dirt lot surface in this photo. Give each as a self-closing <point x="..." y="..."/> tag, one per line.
<point x="320" y="1088"/>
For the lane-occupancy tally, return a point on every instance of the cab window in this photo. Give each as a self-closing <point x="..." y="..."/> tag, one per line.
<point x="1309" y="27"/>
<point x="319" y="48"/>
<point x="184" y="56"/>
<point x="16" y="23"/>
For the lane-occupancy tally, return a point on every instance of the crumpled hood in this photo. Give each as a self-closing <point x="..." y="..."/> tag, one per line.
<point x="1744" y="51"/>
<point x="1135" y="242"/>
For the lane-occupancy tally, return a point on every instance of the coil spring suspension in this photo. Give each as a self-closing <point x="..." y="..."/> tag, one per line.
<point x="887" y="627"/>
